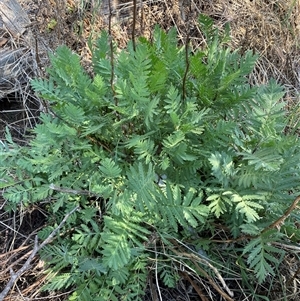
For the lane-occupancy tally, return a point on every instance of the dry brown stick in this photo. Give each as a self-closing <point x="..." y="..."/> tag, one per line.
<point x="187" y="59"/>
<point x="33" y="287"/>
<point x="133" y="25"/>
<point x="156" y="276"/>
<point x="142" y="17"/>
<point x="285" y="215"/>
<point x="15" y="276"/>
<point x="14" y="251"/>
<point x="112" y="63"/>
<point x="196" y="259"/>
<point x="272" y="226"/>
<point x="203" y="261"/>
<point x="15" y="262"/>
<point x="69" y="190"/>
<point x="293" y="277"/>
<point x="196" y="287"/>
<point x="152" y="288"/>
<point x="286" y="246"/>
<point x="215" y="286"/>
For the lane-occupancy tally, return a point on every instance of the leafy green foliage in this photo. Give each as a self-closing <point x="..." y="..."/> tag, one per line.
<point x="261" y="252"/>
<point x="141" y="158"/>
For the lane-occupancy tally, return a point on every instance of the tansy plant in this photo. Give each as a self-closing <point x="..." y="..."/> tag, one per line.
<point x="156" y="149"/>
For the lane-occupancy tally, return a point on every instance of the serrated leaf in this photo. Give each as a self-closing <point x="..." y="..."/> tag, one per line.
<point x="109" y="168"/>
<point x="90" y="264"/>
<point x="116" y="252"/>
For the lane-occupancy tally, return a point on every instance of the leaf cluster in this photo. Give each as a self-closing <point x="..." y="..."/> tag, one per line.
<point x="143" y="157"/>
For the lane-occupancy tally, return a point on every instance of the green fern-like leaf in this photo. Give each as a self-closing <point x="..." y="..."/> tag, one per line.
<point x="247" y="207"/>
<point x="178" y="210"/>
<point x="222" y="167"/>
<point x="46" y="89"/>
<point x="219" y="203"/>
<point x="109" y="168"/>
<point x="91" y="264"/>
<point x="141" y="182"/>
<point x="261" y="254"/>
<point x="57" y="282"/>
<point x="116" y="251"/>
<point x="263" y="159"/>
<point x="121" y="236"/>
<point x="73" y="114"/>
<point x="169" y="278"/>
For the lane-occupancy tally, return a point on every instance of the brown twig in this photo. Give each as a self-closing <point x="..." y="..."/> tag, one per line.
<point x="195" y="259"/>
<point x="293" y="277"/>
<point x="215" y="286"/>
<point x="14" y="251"/>
<point x="15" y="262"/>
<point x="69" y="190"/>
<point x="284" y="217"/>
<point x="14" y="276"/>
<point x="272" y="226"/>
<point x="112" y="65"/>
<point x="196" y="287"/>
<point x="142" y="16"/>
<point x="152" y="288"/>
<point x="33" y="286"/>
<point x="133" y="24"/>
<point x="187" y="61"/>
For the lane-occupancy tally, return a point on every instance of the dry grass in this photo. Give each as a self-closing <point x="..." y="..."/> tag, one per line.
<point x="268" y="27"/>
